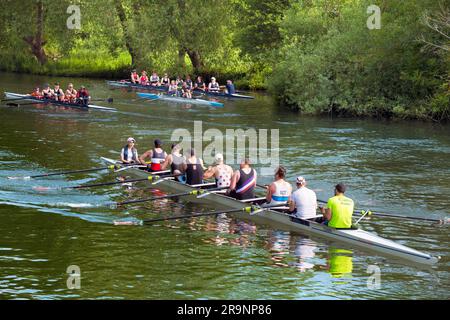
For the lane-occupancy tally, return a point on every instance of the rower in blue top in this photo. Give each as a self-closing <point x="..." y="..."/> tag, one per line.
<point x="229" y="88"/>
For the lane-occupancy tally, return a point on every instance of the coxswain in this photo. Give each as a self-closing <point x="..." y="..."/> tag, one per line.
<point x="143" y="80"/>
<point x="194" y="169"/>
<point x="36" y="93"/>
<point x="154" y="79"/>
<point x="199" y="84"/>
<point x="58" y="93"/>
<point x="134" y="77"/>
<point x="176" y="161"/>
<point x="157" y="156"/>
<point x="220" y="171"/>
<point x="165" y="81"/>
<point x="47" y="92"/>
<point x="83" y="96"/>
<point x="172" y="90"/>
<point x="243" y="182"/>
<point x="213" y="85"/>
<point x="303" y="200"/>
<point x="71" y="93"/>
<point x="279" y="191"/>
<point x="229" y="88"/>
<point x="129" y="153"/>
<point x="339" y="209"/>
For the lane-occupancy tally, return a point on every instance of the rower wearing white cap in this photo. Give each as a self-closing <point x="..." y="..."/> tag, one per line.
<point x="129" y="153"/>
<point x="304" y="200"/>
<point x="220" y="171"/>
<point x="280" y="190"/>
<point x="213" y="85"/>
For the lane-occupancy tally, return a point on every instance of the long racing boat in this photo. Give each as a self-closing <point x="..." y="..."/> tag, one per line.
<point x="24" y="97"/>
<point x="359" y="238"/>
<point x="151" y="96"/>
<point x="127" y="84"/>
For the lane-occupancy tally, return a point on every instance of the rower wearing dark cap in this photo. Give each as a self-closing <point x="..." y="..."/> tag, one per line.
<point x="157" y="156"/>
<point x="83" y="96"/>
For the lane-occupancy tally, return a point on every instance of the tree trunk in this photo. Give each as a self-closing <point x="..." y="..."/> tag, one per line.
<point x="127" y="36"/>
<point x="196" y="60"/>
<point x="37" y="42"/>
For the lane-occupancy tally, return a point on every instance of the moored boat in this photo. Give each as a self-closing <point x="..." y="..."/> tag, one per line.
<point x="280" y="219"/>
<point x="152" y="96"/>
<point x="25" y="97"/>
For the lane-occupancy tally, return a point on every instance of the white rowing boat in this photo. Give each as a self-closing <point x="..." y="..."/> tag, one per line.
<point x="152" y="96"/>
<point x="354" y="237"/>
<point x="25" y="97"/>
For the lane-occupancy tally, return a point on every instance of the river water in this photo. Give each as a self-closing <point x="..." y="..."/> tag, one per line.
<point x="390" y="166"/>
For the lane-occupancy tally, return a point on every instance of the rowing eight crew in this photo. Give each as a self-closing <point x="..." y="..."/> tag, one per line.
<point x="180" y="86"/>
<point x="241" y="183"/>
<point x="71" y="95"/>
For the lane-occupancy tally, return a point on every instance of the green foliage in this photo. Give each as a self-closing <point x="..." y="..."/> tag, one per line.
<point x="347" y="69"/>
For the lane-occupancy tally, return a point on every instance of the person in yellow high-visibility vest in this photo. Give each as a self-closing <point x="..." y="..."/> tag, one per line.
<point x="339" y="209"/>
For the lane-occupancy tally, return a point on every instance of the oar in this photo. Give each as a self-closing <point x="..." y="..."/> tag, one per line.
<point x="109" y="100"/>
<point x="250" y="210"/>
<point x="149" y="178"/>
<point x="196" y="192"/>
<point x="389" y="215"/>
<point x="110" y="167"/>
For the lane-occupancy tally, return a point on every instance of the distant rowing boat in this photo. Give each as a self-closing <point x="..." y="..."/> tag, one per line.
<point x="25" y="97"/>
<point x="152" y="96"/>
<point x="127" y="84"/>
<point x="279" y="218"/>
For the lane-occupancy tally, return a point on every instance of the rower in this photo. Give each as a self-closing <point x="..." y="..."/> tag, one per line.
<point x="194" y="169"/>
<point x="157" y="156"/>
<point x="58" y="93"/>
<point x="189" y="83"/>
<point x="279" y="191"/>
<point x="36" y="93"/>
<point x="154" y="79"/>
<point x="83" y="96"/>
<point x="165" y="81"/>
<point x="243" y="182"/>
<point x="129" y="153"/>
<point x="172" y="90"/>
<point x="134" y="77"/>
<point x="213" y="85"/>
<point x="220" y="171"/>
<point x="47" y="92"/>
<point x="71" y="93"/>
<point x="186" y="91"/>
<point x="229" y="88"/>
<point x="143" y="80"/>
<point x="176" y="161"/>
<point x="199" y="84"/>
<point x="339" y="209"/>
<point x="304" y="200"/>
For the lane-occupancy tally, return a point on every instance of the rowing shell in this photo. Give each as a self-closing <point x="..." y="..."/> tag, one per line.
<point x="16" y="96"/>
<point x="354" y="237"/>
<point x="127" y="84"/>
<point x="152" y="96"/>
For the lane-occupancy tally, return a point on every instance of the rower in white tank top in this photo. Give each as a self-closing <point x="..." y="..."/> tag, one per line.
<point x="279" y="191"/>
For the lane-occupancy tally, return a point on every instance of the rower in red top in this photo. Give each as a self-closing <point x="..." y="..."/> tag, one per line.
<point x="144" y="79"/>
<point x="243" y="182"/>
<point x="134" y="77"/>
<point x="156" y="155"/>
<point x="36" y="93"/>
<point x="83" y="96"/>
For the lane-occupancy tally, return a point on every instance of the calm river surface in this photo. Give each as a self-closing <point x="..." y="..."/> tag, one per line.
<point x="395" y="167"/>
